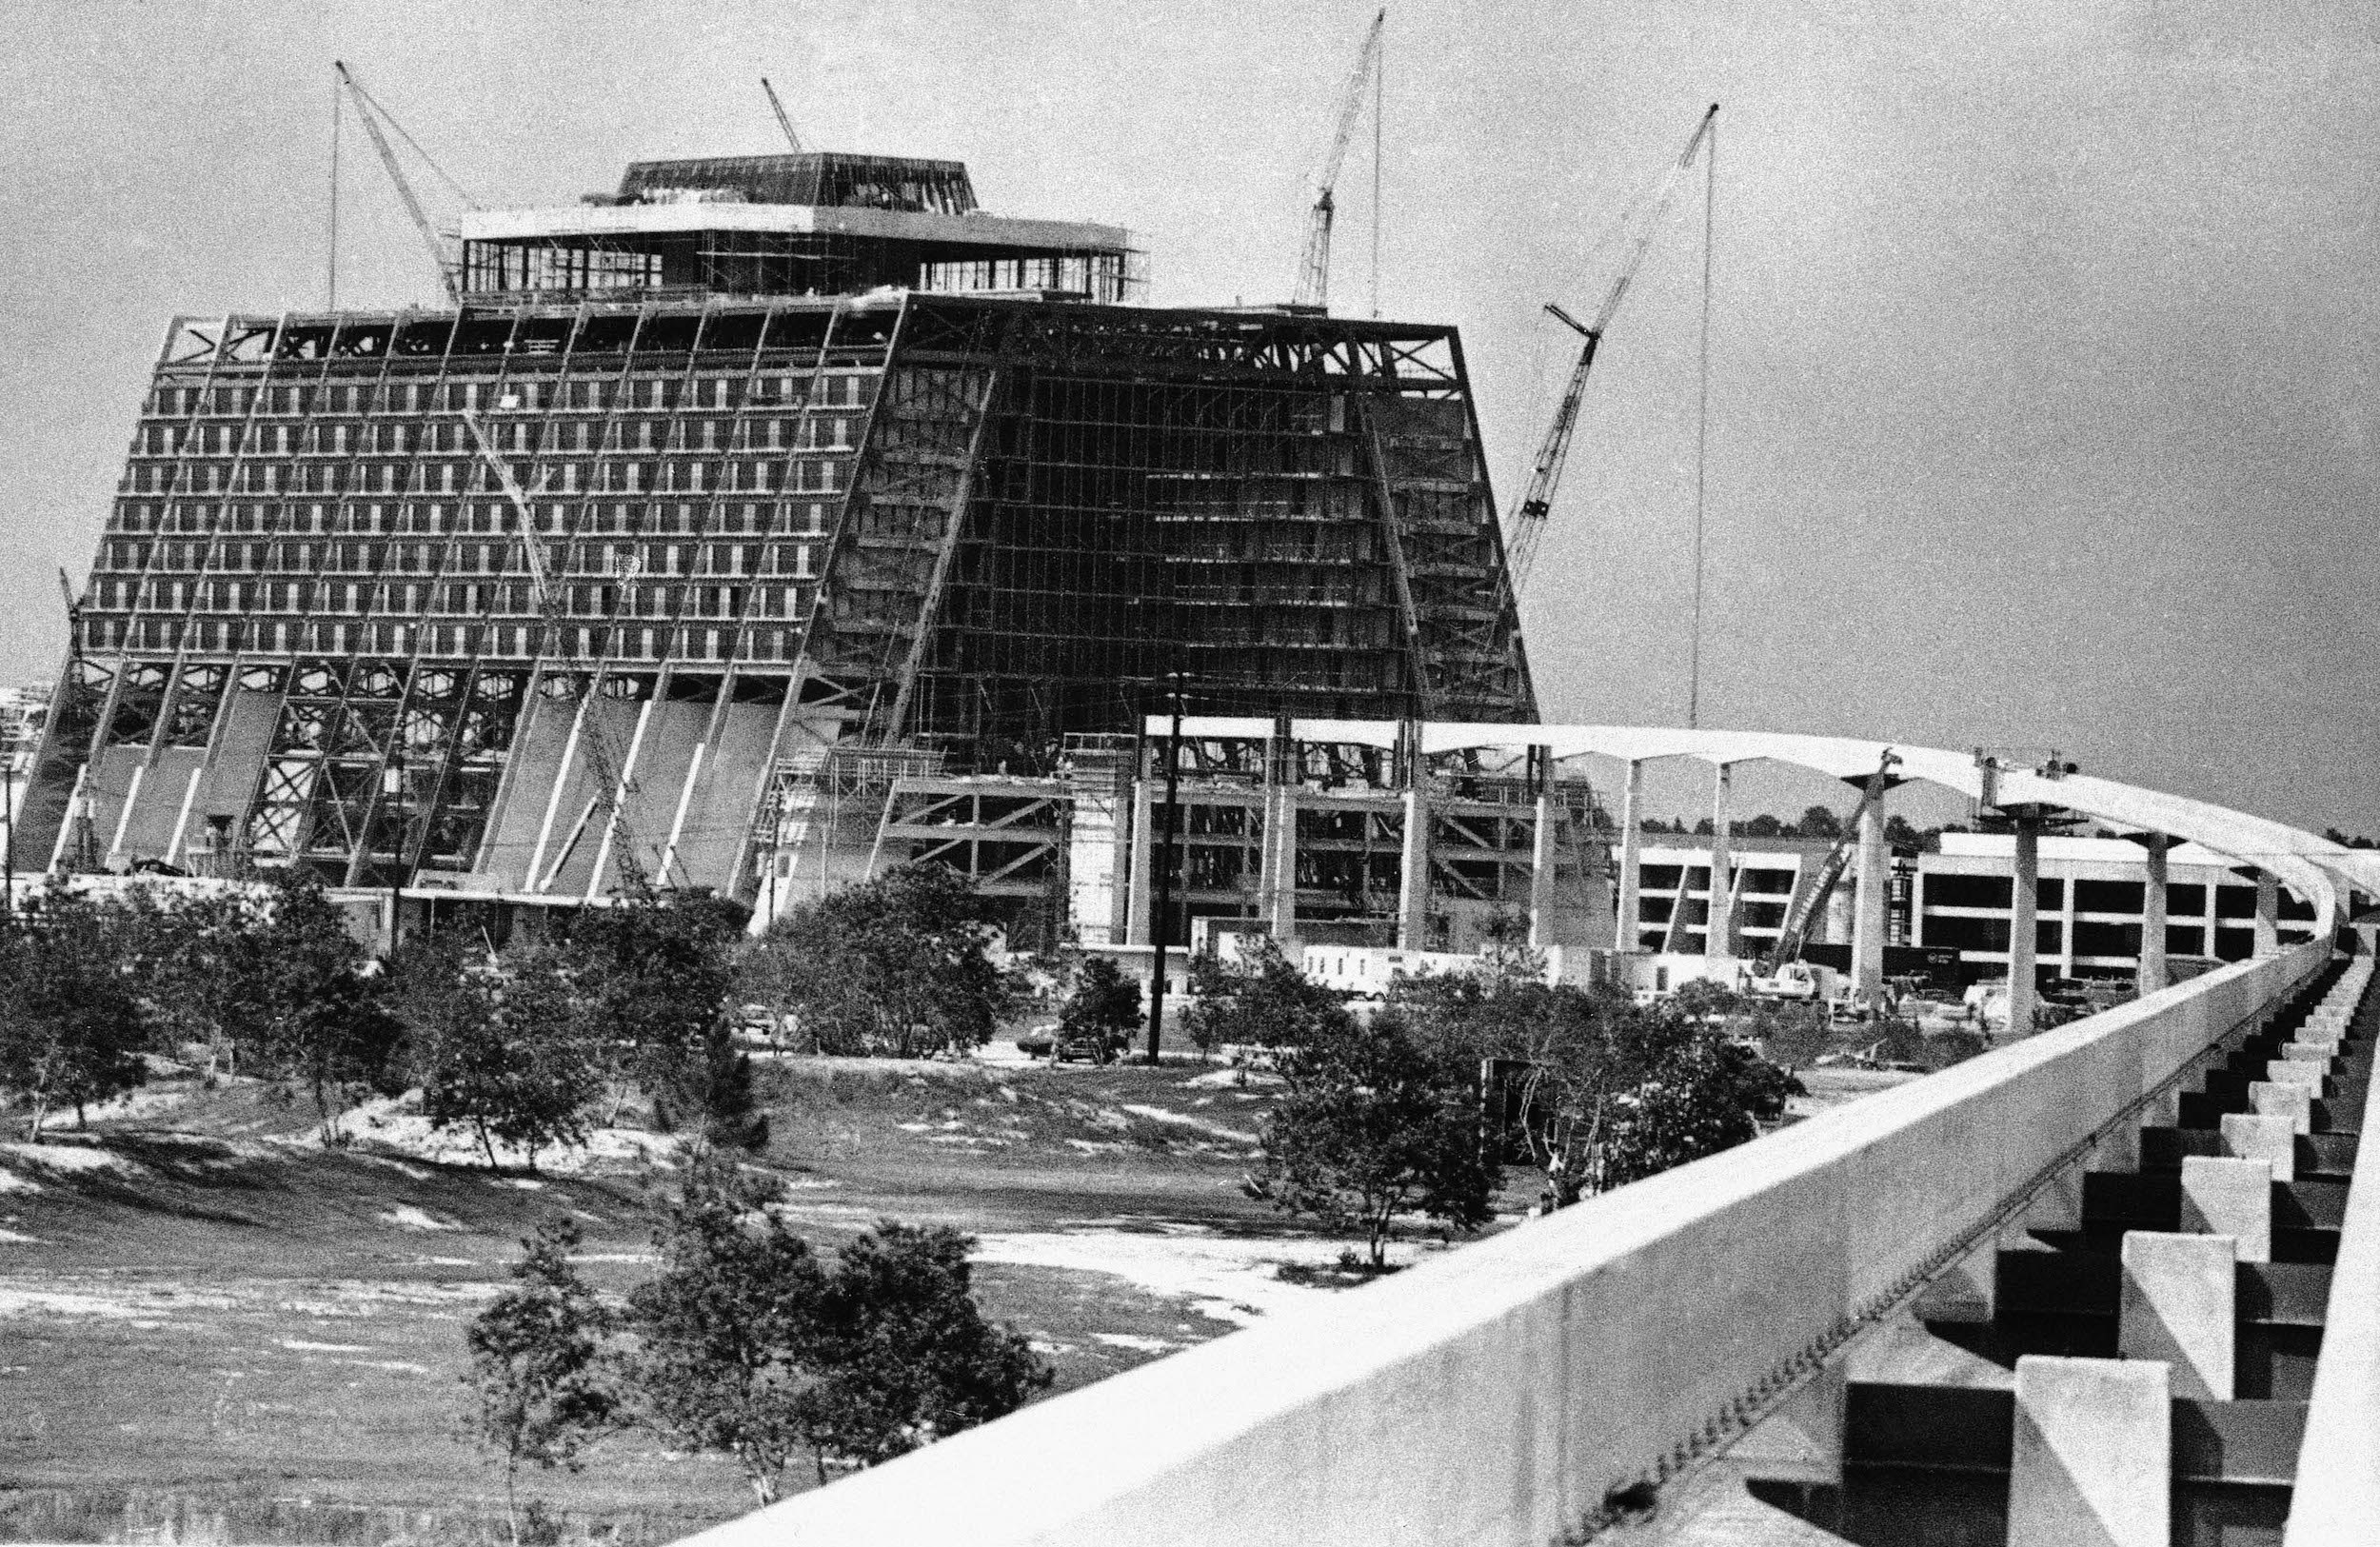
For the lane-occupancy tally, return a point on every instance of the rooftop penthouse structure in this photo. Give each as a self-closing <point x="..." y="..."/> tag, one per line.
<point x="807" y="224"/>
<point x="829" y="471"/>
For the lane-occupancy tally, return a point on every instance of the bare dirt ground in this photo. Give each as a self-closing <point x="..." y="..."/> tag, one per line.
<point x="212" y="1326"/>
<point x="207" y="1316"/>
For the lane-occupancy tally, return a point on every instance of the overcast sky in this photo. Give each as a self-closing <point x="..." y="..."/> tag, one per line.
<point x="2040" y="398"/>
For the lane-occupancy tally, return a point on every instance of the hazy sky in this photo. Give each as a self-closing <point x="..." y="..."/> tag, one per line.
<point x="2040" y="398"/>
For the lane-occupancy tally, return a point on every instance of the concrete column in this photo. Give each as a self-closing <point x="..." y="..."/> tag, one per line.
<point x="2022" y="918"/>
<point x="2065" y="920"/>
<point x="1139" y="844"/>
<point x="1542" y="862"/>
<point x="2272" y="1140"/>
<point x="1868" y="922"/>
<point x="2179" y="1306"/>
<point x="2268" y="913"/>
<point x="2153" y="974"/>
<point x="2307" y="1073"/>
<point x="2094" y="1454"/>
<point x="1413" y="892"/>
<point x="2295" y="1104"/>
<point x="1718" y="934"/>
<point x="2229" y="1197"/>
<point x="1280" y="864"/>
<point x="1630" y="927"/>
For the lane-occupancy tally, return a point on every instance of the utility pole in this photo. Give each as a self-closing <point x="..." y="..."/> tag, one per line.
<point x="1162" y="895"/>
<point x="8" y="887"/>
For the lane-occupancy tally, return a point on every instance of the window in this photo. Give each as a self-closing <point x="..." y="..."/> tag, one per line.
<point x="1944" y="890"/>
<point x="2107" y="938"/>
<point x="2109" y="896"/>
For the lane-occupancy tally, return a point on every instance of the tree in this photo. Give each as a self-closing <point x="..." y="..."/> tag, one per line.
<point x="707" y="1091"/>
<point x="70" y="1023"/>
<point x="1372" y="1127"/>
<point x="296" y="1001"/>
<point x="1103" y="1008"/>
<point x="908" y="1355"/>
<point x="1763" y="826"/>
<point x="539" y="1377"/>
<point x="189" y="955"/>
<point x="1819" y="821"/>
<point x="729" y="1331"/>
<point x="1260" y="1001"/>
<point x="651" y="980"/>
<point x="1898" y="832"/>
<point x="748" y="1345"/>
<point x="1604" y="1091"/>
<point x="899" y="965"/>
<point x="1706" y="1094"/>
<point x="500" y="1047"/>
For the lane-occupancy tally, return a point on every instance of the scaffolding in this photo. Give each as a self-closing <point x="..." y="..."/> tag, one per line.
<point x="789" y="533"/>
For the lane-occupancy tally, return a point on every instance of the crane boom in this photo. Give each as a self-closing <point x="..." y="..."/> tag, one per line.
<point x="1813" y="901"/>
<point x="368" y="112"/>
<point x="783" y="122"/>
<point x="549" y="608"/>
<point x="1536" y="502"/>
<point x="1313" y="269"/>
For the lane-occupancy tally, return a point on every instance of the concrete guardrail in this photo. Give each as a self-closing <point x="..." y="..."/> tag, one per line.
<point x="2337" y="1500"/>
<point x="1500" y="1395"/>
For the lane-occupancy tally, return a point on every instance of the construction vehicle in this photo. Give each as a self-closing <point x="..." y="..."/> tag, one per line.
<point x="1536" y="501"/>
<point x="1811" y="904"/>
<point x="373" y="117"/>
<point x="1313" y="269"/>
<point x="611" y="790"/>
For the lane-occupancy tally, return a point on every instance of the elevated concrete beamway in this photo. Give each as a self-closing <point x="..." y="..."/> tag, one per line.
<point x="2311" y="866"/>
<point x="1501" y="1394"/>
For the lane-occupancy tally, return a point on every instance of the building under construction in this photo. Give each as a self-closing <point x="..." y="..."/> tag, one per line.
<point x="768" y="521"/>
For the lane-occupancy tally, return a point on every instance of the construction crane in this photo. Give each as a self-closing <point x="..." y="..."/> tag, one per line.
<point x="1313" y="271"/>
<point x="608" y="788"/>
<point x="370" y="112"/>
<point x="1813" y="901"/>
<point x="783" y="122"/>
<point x="1528" y="523"/>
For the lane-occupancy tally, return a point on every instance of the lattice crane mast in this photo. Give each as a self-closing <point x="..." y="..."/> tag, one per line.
<point x="370" y="112"/>
<point x="1546" y="474"/>
<point x="608" y="788"/>
<point x="1314" y="270"/>
<point x="1813" y="901"/>
<point x="783" y="122"/>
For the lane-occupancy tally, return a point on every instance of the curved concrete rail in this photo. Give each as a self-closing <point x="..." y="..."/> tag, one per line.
<point x="1498" y="1393"/>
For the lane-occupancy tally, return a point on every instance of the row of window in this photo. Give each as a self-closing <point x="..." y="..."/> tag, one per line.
<point x="114" y="585"/>
<point x="736" y="518"/>
<point x="727" y="477"/>
<point x="2186" y="899"/>
<point x="644" y="598"/>
<point x="1748" y="882"/>
<point x="445" y="640"/>
<point x="777" y="387"/>
<point x="385" y="438"/>
<point x="2091" y="939"/>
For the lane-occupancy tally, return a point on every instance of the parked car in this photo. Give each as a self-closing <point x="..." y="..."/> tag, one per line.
<point x="1092" y="1047"/>
<point x="1036" y="1042"/>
